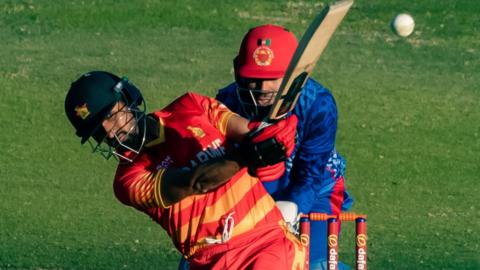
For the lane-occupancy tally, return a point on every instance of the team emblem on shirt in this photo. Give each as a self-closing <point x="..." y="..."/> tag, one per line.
<point x="82" y="111"/>
<point x="263" y="55"/>
<point x="196" y="131"/>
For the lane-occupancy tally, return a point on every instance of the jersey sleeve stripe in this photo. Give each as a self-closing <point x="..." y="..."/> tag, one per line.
<point x="158" y="189"/>
<point x="146" y="191"/>
<point x="223" y="122"/>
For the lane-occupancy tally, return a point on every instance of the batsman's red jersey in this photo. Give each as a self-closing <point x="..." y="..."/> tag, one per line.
<point x="237" y="225"/>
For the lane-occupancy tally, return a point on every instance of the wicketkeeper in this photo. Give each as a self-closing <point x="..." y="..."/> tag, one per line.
<point x="314" y="177"/>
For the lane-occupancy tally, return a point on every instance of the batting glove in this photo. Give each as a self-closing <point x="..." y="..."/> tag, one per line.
<point x="267" y="149"/>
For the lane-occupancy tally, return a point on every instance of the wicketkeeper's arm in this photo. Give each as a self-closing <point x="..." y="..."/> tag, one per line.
<point x="311" y="157"/>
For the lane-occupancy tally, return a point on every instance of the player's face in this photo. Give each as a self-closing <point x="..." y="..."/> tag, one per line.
<point x="257" y="95"/>
<point x="120" y="123"/>
<point x="122" y="130"/>
<point x="263" y="90"/>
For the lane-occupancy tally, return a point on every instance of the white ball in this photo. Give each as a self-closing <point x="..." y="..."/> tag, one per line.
<point x="403" y="24"/>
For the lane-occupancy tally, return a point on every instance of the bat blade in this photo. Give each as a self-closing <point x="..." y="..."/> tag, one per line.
<point x="306" y="56"/>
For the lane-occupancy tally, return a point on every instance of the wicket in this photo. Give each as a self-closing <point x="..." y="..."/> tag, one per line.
<point x="332" y="238"/>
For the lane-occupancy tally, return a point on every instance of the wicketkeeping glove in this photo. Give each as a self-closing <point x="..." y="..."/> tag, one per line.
<point x="269" y="146"/>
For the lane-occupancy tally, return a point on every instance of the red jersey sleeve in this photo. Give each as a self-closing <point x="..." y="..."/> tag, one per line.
<point x="216" y="113"/>
<point x="137" y="185"/>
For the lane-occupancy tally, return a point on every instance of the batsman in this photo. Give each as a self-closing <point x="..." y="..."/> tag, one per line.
<point x="178" y="166"/>
<point x="314" y="176"/>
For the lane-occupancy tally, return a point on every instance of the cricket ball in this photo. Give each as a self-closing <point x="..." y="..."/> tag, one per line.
<point x="402" y="24"/>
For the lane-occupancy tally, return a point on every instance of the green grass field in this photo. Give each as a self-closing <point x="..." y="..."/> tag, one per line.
<point x="409" y="122"/>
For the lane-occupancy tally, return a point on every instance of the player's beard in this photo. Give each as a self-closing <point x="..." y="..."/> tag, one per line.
<point x="145" y="130"/>
<point x="131" y="140"/>
<point x="127" y="143"/>
<point x="252" y="109"/>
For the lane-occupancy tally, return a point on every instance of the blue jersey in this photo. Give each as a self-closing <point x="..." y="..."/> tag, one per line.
<point x="314" y="167"/>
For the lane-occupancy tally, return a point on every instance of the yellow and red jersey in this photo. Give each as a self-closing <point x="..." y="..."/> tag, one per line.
<point x="193" y="130"/>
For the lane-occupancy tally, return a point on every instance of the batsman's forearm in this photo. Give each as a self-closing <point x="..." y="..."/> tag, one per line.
<point x="177" y="184"/>
<point x="216" y="172"/>
<point x="237" y="128"/>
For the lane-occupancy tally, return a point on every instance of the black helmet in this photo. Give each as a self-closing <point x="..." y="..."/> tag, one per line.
<point x="91" y="98"/>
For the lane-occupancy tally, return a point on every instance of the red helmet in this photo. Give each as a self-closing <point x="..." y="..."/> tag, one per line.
<point x="265" y="52"/>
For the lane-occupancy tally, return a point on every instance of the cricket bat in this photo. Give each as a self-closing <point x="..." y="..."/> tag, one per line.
<point x="306" y="56"/>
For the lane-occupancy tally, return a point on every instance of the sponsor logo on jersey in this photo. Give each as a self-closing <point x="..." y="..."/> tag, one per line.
<point x="165" y="164"/>
<point x="212" y="150"/>
<point x="82" y="111"/>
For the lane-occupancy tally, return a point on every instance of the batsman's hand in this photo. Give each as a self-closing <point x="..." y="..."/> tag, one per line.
<point x="212" y="174"/>
<point x="269" y="146"/>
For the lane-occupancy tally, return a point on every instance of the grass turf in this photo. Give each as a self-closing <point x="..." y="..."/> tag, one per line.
<point x="408" y="122"/>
